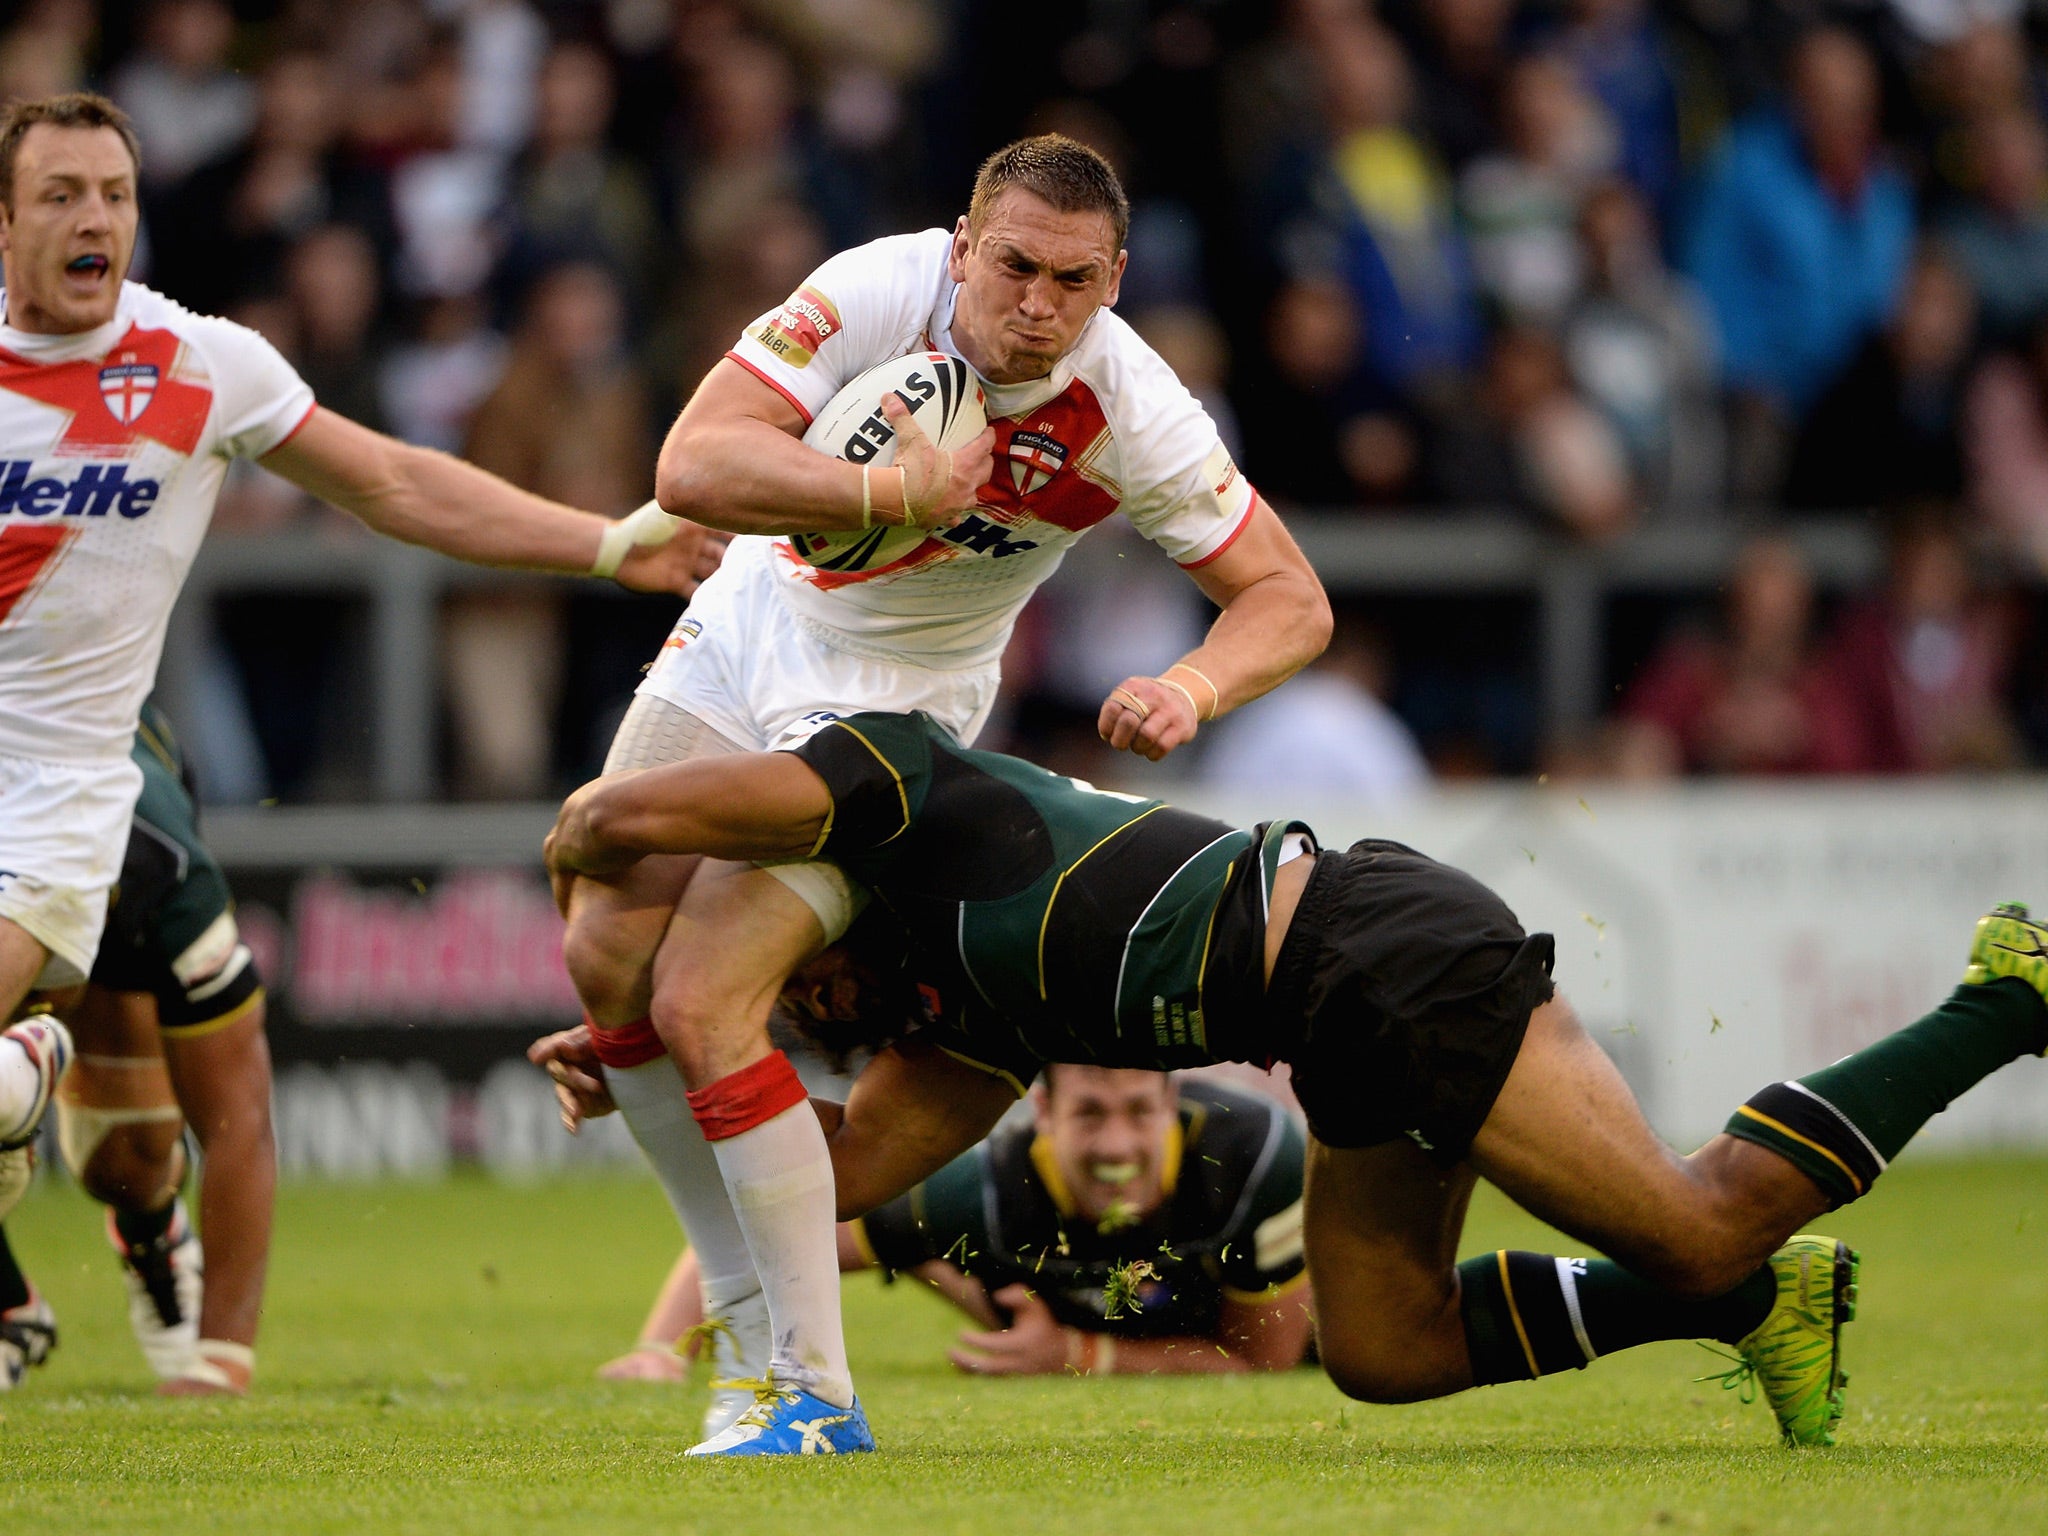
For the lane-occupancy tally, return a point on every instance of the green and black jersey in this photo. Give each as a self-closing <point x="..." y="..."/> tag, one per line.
<point x="1228" y="1229"/>
<point x="170" y="928"/>
<point x="1052" y="921"/>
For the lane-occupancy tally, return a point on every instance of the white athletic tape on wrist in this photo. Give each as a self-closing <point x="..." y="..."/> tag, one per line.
<point x="645" y="527"/>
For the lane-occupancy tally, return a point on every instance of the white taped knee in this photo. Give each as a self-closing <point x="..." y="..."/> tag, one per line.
<point x="823" y="887"/>
<point x="82" y="1129"/>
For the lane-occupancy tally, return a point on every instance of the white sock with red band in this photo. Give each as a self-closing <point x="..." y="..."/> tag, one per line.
<point x="650" y="1097"/>
<point x="778" y="1172"/>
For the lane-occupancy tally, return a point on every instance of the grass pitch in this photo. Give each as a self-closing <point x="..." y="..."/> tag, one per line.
<point x="427" y="1355"/>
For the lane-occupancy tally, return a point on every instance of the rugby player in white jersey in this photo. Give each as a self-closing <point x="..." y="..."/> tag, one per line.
<point x="119" y="412"/>
<point x="1086" y="421"/>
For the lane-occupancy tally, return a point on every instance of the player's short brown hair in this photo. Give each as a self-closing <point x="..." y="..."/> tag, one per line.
<point x="1064" y="172"/>
<point x="74" y="109"/>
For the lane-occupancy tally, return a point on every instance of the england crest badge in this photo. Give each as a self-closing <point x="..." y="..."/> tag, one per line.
<point x="127" y="387"/>
<point x="1034" y="459"/>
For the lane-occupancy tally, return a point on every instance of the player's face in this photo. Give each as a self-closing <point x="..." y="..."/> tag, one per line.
<point x="1109" y="1129"/>
<point x="1030" y="277"/>
<point x="68" y="238"/>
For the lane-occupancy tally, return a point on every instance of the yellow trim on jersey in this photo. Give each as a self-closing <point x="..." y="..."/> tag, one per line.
<point x="1786" y="1130"/>
<point x="982" y="1066"/>
<point x="902" y="794"/>
<point x="1272" y="1292"/>
<point x="1507" y="1289"/>
<point x="859" y="1228"/>
<point x="1170" y="1160"/>
<point x="1050" y="1176"/>
<point x="825" y="830"/>
<point x="234" y="1015"/>
<point x="159" y="749"/>
<point x="1046" y="922"/>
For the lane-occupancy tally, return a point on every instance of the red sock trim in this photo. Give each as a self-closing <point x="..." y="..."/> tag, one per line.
<point x="749" y="1097"/>
<point x="630" y="1045"/>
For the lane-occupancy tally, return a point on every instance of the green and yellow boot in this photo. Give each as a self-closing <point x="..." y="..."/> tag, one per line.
<point x="1795" y="1354"/>
<point x="2009" y="943"/>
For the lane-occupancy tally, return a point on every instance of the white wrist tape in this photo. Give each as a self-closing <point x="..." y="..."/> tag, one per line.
<point x="645" y="527"/>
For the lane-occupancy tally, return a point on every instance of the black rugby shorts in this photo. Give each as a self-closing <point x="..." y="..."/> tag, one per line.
<point x="1408" y="986"/>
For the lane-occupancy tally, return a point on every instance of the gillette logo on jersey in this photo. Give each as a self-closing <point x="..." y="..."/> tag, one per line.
<point x="92" y="490"/>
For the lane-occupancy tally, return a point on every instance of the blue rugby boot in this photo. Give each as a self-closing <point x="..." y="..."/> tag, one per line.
<point x="785" y="1421"/>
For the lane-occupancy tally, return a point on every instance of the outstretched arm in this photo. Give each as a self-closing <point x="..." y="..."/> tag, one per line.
<point x="421" y="496"/>
<point x="750" y="805"/>
<point x="1252" y="1337"/>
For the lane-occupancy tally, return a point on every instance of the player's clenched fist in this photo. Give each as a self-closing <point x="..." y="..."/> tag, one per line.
<point x="939" y="487"/>
<point x="1147" y="716"/>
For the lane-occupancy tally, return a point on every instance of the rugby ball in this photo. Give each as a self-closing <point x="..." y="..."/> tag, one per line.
<point x="945" y="398"/>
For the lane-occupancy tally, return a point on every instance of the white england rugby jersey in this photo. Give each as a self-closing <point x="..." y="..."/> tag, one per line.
<point x="1111" y="429"/>
<point x="113" y="443"/>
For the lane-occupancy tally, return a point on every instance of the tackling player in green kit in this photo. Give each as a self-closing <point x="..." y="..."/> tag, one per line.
<point x="1049" y="921"/>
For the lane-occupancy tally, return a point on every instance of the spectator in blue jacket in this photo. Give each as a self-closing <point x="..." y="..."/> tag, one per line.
<point x="1803" y="232"/>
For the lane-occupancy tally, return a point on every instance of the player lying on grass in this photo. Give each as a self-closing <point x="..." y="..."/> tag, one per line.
<point x="1050" y="921"/>
<point x="1178" y="1199"/>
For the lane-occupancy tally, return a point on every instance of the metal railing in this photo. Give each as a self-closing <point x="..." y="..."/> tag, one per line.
<point x="1419" y="553"/>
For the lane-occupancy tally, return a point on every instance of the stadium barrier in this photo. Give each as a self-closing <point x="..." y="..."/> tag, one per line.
<point x="1713" y="937"/>
<point x="1569" y="585"/>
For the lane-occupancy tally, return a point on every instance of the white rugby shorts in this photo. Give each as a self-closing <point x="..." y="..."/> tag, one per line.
<point x="63" y="833"/>
<point x="747" y="666"/>
<point x="745" y="673"/>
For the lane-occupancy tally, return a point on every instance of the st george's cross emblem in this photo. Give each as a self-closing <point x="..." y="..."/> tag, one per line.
<point x="1034" y="459"/>
<point x="127" y="386"/>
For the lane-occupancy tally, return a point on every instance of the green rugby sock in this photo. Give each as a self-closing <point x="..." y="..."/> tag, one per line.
<point x="1529" y="1314"/>
<point x="1842" y="1125"/>
<point x="13" y="1283"/>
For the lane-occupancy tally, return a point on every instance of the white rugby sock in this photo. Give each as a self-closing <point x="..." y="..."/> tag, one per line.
<point x="656" y="1112"/>
<point x="779" y="1175"/>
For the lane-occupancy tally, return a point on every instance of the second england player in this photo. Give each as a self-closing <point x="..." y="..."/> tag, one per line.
<point x="1086" y="422"/>
<point x="119" y="414"/>
<point x="1048" y="921"/>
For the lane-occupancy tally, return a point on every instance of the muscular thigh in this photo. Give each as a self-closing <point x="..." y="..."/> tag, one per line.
<point x="1381" y="1231"/>
<point x="735" y="937"/>
<point x="616" y="924"/>
<point x="21" y="960"/>
<point x="1567" y="1141"/>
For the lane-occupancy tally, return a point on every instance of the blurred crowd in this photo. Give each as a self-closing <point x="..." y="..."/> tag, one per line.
<point x="1592" y="265"/>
